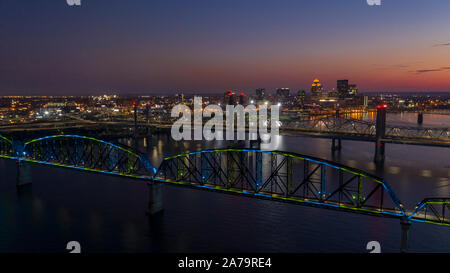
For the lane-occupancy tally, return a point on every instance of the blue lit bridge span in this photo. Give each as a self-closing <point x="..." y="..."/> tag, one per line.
<point x="272" y="175"/>
<point x="79" y="152"/>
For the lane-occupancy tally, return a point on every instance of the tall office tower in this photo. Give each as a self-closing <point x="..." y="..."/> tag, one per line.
<point x="301" y="98"/>
<point x="342" y="88"/>
<point x="242" y="99"/>
<point x="352" y="90"/>
<point x="179" y="98"/>
<point x="229" y="98"/>
<point x="316" y="88"/>
<point x="283" y="93"/>
<point x="260" y="93"/>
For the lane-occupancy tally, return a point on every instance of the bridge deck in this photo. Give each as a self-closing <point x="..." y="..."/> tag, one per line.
<point x="403" y="136"/>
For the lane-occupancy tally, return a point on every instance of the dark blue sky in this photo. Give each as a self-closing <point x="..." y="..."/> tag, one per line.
<point x="150" y="46"/>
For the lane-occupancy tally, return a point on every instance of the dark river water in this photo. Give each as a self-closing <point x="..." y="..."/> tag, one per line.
<point x="107" y="213"/>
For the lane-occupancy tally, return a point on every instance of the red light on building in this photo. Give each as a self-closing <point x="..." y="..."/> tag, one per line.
<point x="230" y="94"/>
<point x="242" y="94"/>
<point x="134" y="103"/>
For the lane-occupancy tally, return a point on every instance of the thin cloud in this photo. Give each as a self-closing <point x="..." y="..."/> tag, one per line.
<point x="444" y="44"/>
<point x="432" y="70"/>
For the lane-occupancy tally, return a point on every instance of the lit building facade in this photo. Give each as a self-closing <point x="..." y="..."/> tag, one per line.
<point x="316" y="89"/>
<point x="352" y="90"/>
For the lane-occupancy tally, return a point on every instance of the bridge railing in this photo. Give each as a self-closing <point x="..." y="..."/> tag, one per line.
<point x="284" y="176"/>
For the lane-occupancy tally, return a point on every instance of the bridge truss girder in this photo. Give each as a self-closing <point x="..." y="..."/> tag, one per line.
<point x="6" y="147"/>
<point x="432" y="210"/>
<point x="86" y="153"/>
<point x="366" y="129"/>
<point x="284" y="176"/>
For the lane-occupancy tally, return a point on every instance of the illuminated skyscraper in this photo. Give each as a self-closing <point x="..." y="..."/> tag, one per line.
<point x="352" y="90"/>
<point x="301" y="98"/>
<point x="242" y="99"/>
<point x="342" y="88"/>
<point x="316" y="88"/>
<point x="283" y="93"/>
<point x="229" y="98"/>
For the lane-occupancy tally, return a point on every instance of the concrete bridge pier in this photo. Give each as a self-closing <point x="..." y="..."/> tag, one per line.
<point x="420" y="118"/>
<point x="380" y="134"/>
<point x="405" y="225"/>
<point x="379" y="152"/>
<point x="23" y="174"/>
<point x="155" y="203"/>
<point x="147" y="117"/>
<point x="135" y="131"/>
<point x="148" y="131"/>
<point x="336" y="144"/>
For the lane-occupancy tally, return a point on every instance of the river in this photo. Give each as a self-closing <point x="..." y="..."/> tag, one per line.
<point x="107" y="213"/>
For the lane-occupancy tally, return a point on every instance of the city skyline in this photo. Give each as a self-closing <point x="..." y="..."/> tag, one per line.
<point x="155" y="47"/>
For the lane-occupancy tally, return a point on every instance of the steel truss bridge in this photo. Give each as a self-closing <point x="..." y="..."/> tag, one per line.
<point x="354" y="129"/>
<point x="273" y="175"/>
<point x="327" y="127"/>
